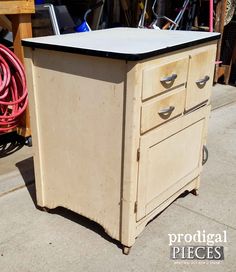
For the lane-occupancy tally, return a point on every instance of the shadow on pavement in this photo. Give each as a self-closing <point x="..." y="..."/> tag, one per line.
<point x="10" y="143"/>
<point x="26" y="168"/>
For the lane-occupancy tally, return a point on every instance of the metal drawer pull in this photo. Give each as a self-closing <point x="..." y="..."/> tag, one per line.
<point x="168" y="78"/>
<point x="166" y="111"/>
<point x="203" y="80"/>
<point x="204" y="154"/>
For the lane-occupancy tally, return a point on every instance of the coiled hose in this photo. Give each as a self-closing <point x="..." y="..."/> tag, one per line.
<point x="13" y="90"/>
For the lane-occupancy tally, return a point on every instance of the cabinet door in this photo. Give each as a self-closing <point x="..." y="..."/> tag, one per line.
<point x="169" y="159"/>
<point x="200" y="76"/>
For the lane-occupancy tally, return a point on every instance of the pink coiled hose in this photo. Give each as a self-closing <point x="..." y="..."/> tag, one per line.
<point x="13" y="90"/>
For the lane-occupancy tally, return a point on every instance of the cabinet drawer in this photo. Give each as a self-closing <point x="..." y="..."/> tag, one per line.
<point x="162" y="77"/>
<point x="162" y="109"/>
<point x="200" y="78"/>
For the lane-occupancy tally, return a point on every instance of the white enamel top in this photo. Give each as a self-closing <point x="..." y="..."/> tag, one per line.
<point x="124" y="40"/>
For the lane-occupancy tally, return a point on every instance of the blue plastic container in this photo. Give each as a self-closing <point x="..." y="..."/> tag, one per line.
<point x="84" y="27"/>
<point x="39" y="2"/>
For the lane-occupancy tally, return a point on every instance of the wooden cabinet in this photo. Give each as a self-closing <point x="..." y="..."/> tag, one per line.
<point x="118" y="128"/>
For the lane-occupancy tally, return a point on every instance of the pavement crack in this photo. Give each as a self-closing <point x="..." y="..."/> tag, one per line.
<point x="16" y="188"/>
<point x="223" y="105"/>
<point x="203" y="215"/>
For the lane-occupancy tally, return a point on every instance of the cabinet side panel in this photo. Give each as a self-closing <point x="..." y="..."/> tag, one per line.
<point x="80" y="123"/>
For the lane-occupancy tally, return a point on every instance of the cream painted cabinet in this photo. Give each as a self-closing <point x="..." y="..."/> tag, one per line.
<point x="119" y="121"/>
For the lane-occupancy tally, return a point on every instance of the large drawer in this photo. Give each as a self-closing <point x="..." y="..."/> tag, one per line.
<point x="162" y="109"/>
<point x="200" y="78"/>
<point x="171" y="72"/>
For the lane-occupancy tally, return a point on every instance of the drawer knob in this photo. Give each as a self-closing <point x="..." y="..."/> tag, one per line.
<point x="166" y="112"/>
<point x="202" y="81"/>
<point x="168" y="78"/>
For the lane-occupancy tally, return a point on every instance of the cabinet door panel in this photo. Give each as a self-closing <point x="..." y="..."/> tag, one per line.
<point x="165" y="162"/>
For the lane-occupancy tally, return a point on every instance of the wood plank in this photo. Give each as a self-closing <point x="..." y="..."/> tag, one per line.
<point x="5" y="22"/>
<point x="219" y="27"/>
<point x="21" y="27"/>
<point x="17" y="7"/>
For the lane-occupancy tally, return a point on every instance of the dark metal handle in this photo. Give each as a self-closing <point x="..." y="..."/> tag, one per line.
<point x="93" y="7"/>
<point x="168" y="78"/>
<point x="166" y="110"/>
<point x="204" y="154"/>
<point x="97" y="5"/>
<point x="202" y="80"/>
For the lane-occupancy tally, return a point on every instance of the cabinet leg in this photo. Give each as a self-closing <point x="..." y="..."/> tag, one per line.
<point x="45" y="209"/>
<point x="126" y="250"/>
<point x="195" y="192"/>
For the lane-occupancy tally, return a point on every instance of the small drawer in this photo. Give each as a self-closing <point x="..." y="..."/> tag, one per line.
<point x="162" y="109"/>
<point x="162" y="77"/>
<point x="200" y="78"/>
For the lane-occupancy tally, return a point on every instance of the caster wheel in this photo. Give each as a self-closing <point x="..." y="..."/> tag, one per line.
<point x="195" y="192"/>
<point x="126" y="250"/>
<point x="28" y="141"/>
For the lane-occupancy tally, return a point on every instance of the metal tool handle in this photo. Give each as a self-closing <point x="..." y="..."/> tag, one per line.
<point x="202" y="80"/>
<point x="166" y="111"/>
<point x="92" y="7"/>
<point x="97" y="5"/>
<point x="168" y="78"/>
